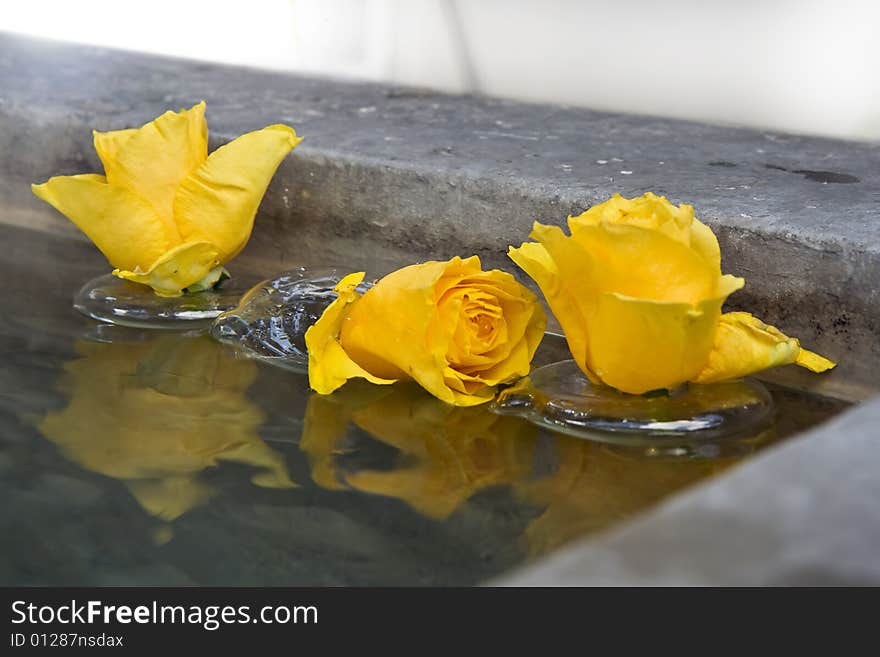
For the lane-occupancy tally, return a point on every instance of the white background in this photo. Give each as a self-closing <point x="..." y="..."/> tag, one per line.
<point x="807" y="66"/>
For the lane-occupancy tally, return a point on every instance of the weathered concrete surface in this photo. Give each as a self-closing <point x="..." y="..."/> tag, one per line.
<point x="439" y="175"/>
<point x="803" y="513"/>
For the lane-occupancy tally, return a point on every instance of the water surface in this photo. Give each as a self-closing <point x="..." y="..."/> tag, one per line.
<point x="137" y="457"/>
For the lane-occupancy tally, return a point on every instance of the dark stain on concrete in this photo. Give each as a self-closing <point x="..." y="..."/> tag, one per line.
<point x="818" y="176"/>
<point x="827" y="176"/>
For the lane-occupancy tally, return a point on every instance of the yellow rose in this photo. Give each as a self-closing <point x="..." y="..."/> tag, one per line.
<point x="165" y="214"/>
<point x="638" y="290"/>
<point x="455" y="329"/>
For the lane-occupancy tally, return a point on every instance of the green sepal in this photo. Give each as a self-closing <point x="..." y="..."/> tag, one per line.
<point x="212" y="279"/>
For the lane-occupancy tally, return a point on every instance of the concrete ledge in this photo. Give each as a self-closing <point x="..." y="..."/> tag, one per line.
<point x="437" y="175"/>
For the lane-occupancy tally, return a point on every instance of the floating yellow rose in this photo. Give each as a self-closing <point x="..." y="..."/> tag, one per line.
<point x="638" y="290"/>
<point x="165" y="214"/>
<point x="455" y="329"/>
<point x="155" y="415"/>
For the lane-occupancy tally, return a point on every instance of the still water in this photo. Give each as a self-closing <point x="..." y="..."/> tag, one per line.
<point x="164" y="458"/>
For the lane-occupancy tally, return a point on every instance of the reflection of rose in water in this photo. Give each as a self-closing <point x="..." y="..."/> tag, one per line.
<point x="155" y="414"/>
<point x="447" y="453"/>
<point x="596" y="485"/>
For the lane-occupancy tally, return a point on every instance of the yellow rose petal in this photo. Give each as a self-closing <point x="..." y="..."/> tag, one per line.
<point x="655" y="213"/>
<point x="126" y="229"/>
<point x="644" y="264"/>
<point x="218" y="201"/>
<point x="154" y="159"/>
<point x="745" y="345"/>
<point x="392" y="330"/>
<point x="176" y="269"/>
<point x="568" y="302"/>
<point x="813" y="361"/>
<point x="650" y="211"/>
<point x="515" y="365"/>
<point x="704" y="242"/>
<point x="329" y="364"/>
<point x="107" y="144"/>
<point x="465" y="390"/>
<point x="500" y="310"/>
<point x="638" y="345"/>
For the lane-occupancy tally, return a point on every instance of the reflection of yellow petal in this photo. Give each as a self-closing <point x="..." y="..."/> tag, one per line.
<point x="129" y="417"/>
<point x="171" y="497"/>
<point x="125" y="228"/>
<point x="219" y="200"/>
<point x="177" y="269"/>
<point x="452" y="465"/>
<point x="448" y="454"/>
<point x="324" y="426"/>
<point x="329" y="365"/>
<point x="152" y="160"/>
<point x="419" y="487"/>
<point x="156" y="414"/>
<point x="596" y="487"/>
<point x="191" y="368"/>
<point x="745" y="345"/>
<point x="272" y="469"/>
